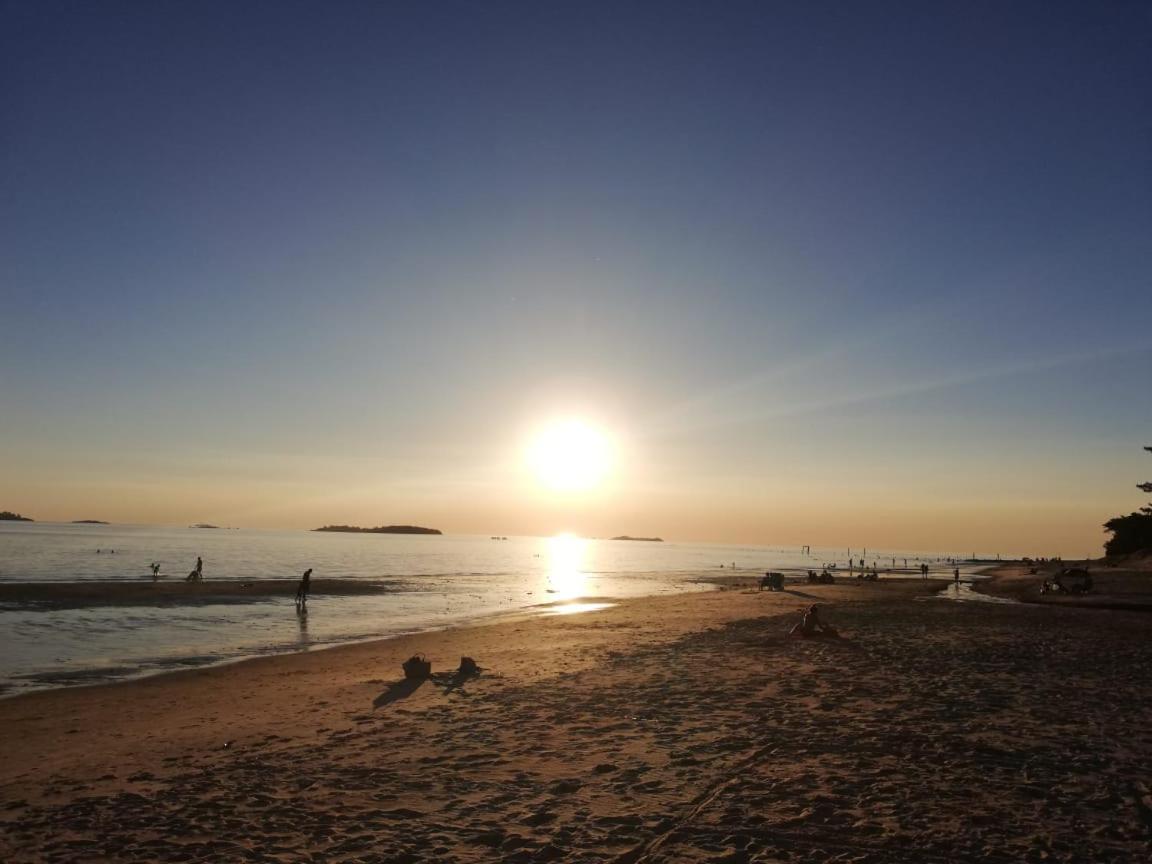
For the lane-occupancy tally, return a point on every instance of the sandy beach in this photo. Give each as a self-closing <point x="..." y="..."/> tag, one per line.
<point x="1125" y="583"/>
<point x="681" y="728"/>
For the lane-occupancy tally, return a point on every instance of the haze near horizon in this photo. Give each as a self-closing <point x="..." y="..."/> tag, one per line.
<point x="805" y="273"/>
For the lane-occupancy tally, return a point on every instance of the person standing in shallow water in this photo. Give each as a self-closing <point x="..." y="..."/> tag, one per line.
<point x="302" y="591"/>
<point x="197" y="574"/>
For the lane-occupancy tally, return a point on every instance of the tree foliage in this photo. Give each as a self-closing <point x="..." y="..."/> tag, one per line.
<point x="1131" y="533"/>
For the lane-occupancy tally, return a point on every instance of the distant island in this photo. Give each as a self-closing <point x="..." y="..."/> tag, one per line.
<point x="88" y="522"/>
<point x="383" y="529"/>
<point x="640" y="539"/>
<point x="204" y="525"/>
<point x="9" y="516"/>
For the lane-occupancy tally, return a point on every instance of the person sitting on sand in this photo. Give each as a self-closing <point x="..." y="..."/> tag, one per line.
<point x="811" y="626"/>
<point x="305" y="584"/>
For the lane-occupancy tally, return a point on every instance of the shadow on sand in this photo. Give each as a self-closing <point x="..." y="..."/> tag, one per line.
<point x="454" y="680"/>
<point x="405" y="687"/>
<point x="400" y="690"/>
<point x="803" y="594"/>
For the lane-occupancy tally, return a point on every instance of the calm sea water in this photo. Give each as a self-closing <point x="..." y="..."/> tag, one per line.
<point x="432" y="582"/>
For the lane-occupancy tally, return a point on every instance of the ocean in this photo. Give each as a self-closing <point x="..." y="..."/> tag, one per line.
<point x="430" y="582"/>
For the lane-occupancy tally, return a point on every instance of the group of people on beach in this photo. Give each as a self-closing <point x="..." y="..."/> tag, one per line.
<point x="812" y="626"/>
<point x="197" y="575"/>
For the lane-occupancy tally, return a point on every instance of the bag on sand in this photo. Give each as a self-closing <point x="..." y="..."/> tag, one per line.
<point x="468" y="667"/>
<point x="417" y="666"/>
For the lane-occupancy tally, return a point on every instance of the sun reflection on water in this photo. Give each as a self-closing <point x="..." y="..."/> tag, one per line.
<point x="566" y="578"/>
<point x="576" y="608"/>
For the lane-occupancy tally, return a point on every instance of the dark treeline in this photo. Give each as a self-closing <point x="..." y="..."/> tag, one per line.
<point x="1131" y="533"/>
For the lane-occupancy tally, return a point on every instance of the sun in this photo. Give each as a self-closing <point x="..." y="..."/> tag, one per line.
<point x="570" y="456"/>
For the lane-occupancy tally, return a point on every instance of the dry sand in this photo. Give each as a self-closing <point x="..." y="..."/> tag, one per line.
<point x="685" y="728"/>
<point x="1125" y="583"/>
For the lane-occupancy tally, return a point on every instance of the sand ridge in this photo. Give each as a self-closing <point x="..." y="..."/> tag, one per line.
<point x="165" y="592"/>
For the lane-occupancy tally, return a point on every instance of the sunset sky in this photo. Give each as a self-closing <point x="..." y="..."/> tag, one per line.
<point x="818" y="273"/>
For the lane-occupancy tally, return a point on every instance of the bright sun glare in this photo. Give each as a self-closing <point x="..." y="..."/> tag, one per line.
<point x="570" y="456"/>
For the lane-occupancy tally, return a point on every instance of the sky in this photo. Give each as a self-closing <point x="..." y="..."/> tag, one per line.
<point x="822" y="273"/>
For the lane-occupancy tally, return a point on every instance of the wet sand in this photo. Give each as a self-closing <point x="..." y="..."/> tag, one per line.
<point x="146" y="592"/>
<point x="686" y="728"/>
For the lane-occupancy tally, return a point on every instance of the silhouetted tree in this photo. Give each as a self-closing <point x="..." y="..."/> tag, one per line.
<point x="1131" y="533"/>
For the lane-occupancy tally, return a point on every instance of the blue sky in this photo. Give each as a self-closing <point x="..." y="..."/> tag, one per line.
<point x="844" y="273"/>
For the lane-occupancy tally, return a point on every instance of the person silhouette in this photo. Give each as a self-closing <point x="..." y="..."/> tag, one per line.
<point x="302" y="591"/>
<point x="811" y="625"/>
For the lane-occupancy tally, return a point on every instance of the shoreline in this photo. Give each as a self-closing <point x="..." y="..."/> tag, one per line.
<point x="383" y="654"/>
<point x="99" y="677"/>
<point x="399" y="645"/>
<point x="119" y="598"/>
<point x="47" y="597"/>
